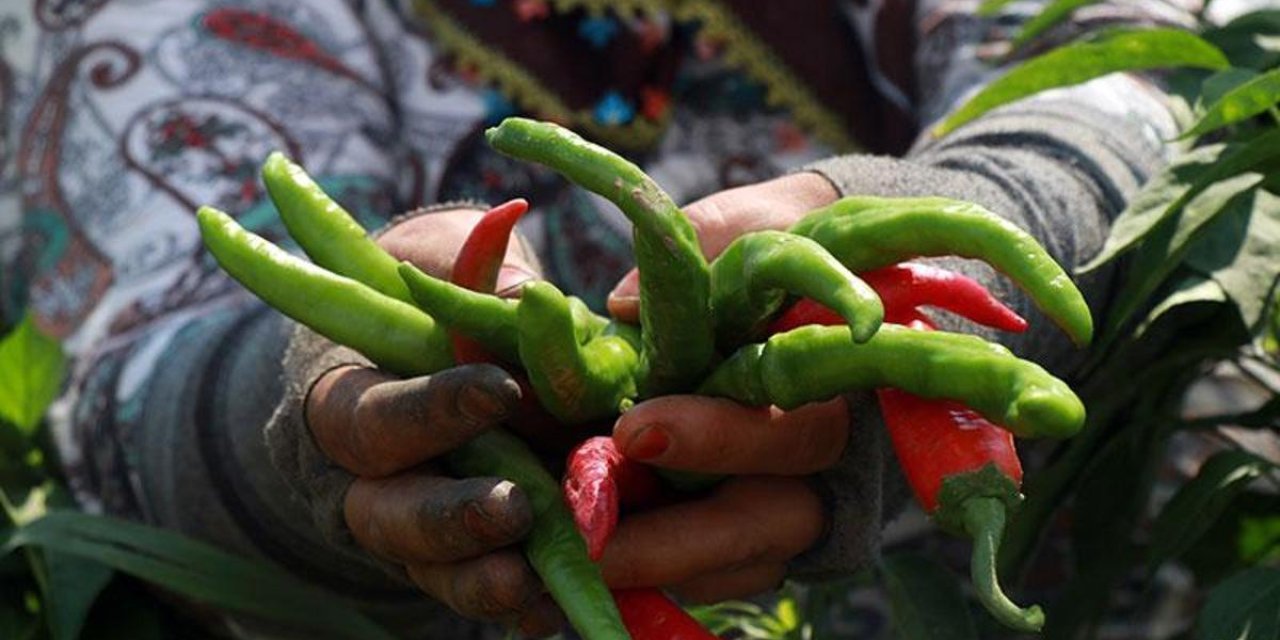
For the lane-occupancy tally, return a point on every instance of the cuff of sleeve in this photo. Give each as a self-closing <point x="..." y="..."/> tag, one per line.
<point x="319" y="484"/>
<point x="862" y="491"/>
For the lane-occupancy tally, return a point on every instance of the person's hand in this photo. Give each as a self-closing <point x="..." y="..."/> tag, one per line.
<point x="736" y="541"/>
<point x="453" y="536"/>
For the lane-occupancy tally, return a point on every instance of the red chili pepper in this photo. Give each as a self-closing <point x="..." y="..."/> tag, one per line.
<point x="650" y="615"/>
<point x="597" y="481"/>
<point x="908" y="285"/>
<point x="478" y="263"/>
<point x="963" y="470"/>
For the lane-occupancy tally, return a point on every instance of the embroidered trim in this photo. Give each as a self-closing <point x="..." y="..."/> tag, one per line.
<point x="521" y="88"/>
<point x="623" y="8"/>
<point x="744" y="51"/>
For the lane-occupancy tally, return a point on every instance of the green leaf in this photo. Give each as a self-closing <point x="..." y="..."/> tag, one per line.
<point x="1251" y="40"/>
<point x="1242" y="253"/>
<point x="989" y="8"/>
<point x="1260" y="538"/>
<point x="1163" y="250"/>
<point x="195" y="570"/>
<point x="1192" y="290"/>
<point x="1050" y="16"/>
<point x="1244" y="607"/>
<point x="31" y="369"/>
<point x="1199" y="502"/>
<point x="1243" y="102"/>
<point x="73" y="585"/>
<point x="1167" y="192"/>
<point x="1080" y="62"/>
<point x="925" y="599"/>
<point x="1218" y="85"/>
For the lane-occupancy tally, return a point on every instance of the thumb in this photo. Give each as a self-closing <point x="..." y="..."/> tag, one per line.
<point x="624" y="300"/>
<point x="721" y="217"/>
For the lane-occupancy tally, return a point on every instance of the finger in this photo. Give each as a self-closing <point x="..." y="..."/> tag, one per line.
<point x="732" y="585"/>
<point x="720" y="436"/>
<point x="624" y="301"/>
<point x="415" y="519"/>
<point x="373" y="425"/>
<point x="499" y="586"/>
<point x="746" y="521"/>
<point x="542" y="619"/>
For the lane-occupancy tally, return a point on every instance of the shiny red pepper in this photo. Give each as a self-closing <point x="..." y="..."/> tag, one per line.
<point x="963" y="470"/>
<point x="597" y="481"/>
<point x="650" y="615"/>
<point x="907" y="286"/>
<point x="477" y="266"/>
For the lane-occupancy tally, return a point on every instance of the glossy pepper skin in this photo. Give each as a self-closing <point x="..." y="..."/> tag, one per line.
<point x="395" y="335"/>
<point x="677" y="335"/>
<point x="554" y="548"/>
<point x="478" y="263"/>
<point x="326" y="232"/>
<point x="650" y="615"/>
<point x="483" y="317"/>
<point x="581" y="371"/>
<point x="810" y="364"/>
<point x="908" y="286"/>
<point x="866" y="232"/>
<point x="942" y="443"/>
<point x="597" y="481"/>
<point x="751" y="278"/>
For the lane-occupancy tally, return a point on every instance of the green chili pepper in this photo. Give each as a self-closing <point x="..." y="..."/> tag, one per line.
<point x="481" y="316"/>
<point x="554" y="547"/>
<point x="580" y="371"/>
<point x="396" y="336"/>
<point x="813" y="363"/>
<point x="676" y="326"/>
<point x="750" y="281"/>
<point x="866" y="233"/>
<point x="326" y="232"/>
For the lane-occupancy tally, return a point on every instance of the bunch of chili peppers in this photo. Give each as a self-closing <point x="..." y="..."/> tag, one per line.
<point x="952" y="403"/>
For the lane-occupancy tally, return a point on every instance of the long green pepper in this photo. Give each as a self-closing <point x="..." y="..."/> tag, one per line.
<point x="750" y="281"/>
<point x="554" y="547"/>
<point x="676" y="325"/>
<point x="816" y="363"/>
<point x="396" y="335"/>
<point x="579" y="372"/>
<point x="866" y="232"/>
<point x="326" y="232"/>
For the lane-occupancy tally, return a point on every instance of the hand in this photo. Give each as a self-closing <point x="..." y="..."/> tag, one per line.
<point x="453" y="536"/>
<point x="738" y="540"/>
<point x="722" y="217"/>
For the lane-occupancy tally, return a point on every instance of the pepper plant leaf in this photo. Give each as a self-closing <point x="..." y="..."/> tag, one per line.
<point x="989" y="8"/>
<point x="1200" y="502"/>
<point x="1123" y="50"/>
<point x="1251" y="40"/>
<point x="1244" y="607"/>
<point x="1048" y="17"/>
<point x="1241" y="103"/>
<point x="31" y="370"/>
<point x="1192" y="290"/>
<point x="195" y="570"/>
<point x="72" y="586"/>
<point x="1168" y="191"/>
<point x="925" y="600"/>
<point x="1242" y="253"/>
<point x="1163" y="250"/>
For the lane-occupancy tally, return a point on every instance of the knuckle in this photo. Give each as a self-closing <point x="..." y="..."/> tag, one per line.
<point x="503" y="587"/>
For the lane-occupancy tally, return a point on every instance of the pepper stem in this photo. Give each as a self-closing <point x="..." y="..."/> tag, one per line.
<point x="984" y="521"/>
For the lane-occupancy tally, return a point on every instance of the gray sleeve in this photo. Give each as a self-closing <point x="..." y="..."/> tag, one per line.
<point x="1060" y="166"/>
<point x="205" y="468"/>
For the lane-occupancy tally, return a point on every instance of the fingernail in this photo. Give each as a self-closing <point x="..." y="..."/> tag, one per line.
<point x="650" y="442"/>
<point x="480" y="405"/>
<point x="511" y="278"/>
